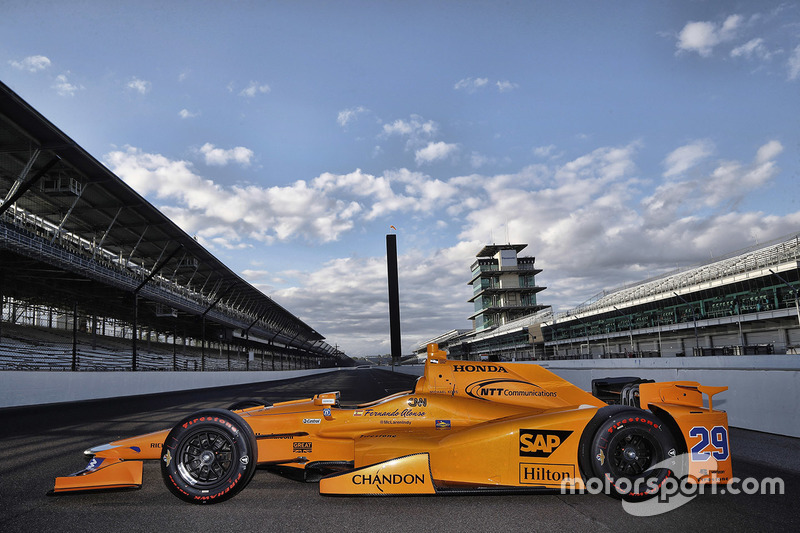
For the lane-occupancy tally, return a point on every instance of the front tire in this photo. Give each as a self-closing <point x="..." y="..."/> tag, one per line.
<point x="624" y="453"/>
<point x="209" y="457"/>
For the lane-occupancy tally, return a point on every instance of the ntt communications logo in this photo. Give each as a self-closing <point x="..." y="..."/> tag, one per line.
<point x="676" y="490"/>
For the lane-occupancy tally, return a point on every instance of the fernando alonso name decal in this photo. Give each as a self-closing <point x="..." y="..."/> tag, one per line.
<point x="405" y="413"/>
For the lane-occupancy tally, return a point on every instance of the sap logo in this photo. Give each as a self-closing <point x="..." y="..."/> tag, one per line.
<point x="417" y="402"/>
<point x="536" y="443"/>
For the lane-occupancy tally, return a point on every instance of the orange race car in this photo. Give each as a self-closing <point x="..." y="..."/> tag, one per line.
<point x="466" y="426"/>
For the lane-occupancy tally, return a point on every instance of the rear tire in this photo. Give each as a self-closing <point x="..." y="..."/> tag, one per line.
<point x="209" y="457"/>
<point x="624" y="451"/>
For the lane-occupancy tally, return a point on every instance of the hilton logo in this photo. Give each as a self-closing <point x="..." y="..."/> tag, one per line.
<point x="540" y="474"/>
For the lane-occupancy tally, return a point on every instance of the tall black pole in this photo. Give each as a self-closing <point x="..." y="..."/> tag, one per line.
<point x="74" y="335"/>
<point x="394" y="297"/>
<point x="134" y="348"/>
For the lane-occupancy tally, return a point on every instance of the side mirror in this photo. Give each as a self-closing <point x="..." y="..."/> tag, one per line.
<point x="327" y="398"/>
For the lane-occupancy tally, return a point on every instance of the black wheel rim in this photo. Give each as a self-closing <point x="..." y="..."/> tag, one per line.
<point x="633" y="454"/>
<point x="206" y="458"/>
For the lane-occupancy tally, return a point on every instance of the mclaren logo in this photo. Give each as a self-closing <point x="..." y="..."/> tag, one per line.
<point x="540" y="443"/>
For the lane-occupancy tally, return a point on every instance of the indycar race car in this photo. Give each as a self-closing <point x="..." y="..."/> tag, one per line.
<point x="466" y="426"/>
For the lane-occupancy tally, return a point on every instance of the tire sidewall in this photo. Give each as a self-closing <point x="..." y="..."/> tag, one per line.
<point x="611" y="434"/>
<point x="243" y="456"/>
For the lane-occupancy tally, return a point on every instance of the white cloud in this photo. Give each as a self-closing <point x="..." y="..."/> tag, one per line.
<point x="729" y="27"/>
<point x="64" y="87"/>
<point x="220" y="157"/>
<point x="724" y="185"/>
<point x="752" y="49"/>
<point x="253" y="89"/>
<point x="361" y="326"/>
<point x="435" y="152"/>
<point x="794" y="64"/>
<point x="685" y="157"/>
<point x="185" y="113"/>
<point x="416" y="192"/>
<point x="140" y="86"/>
<point x="702" y="37"/>
<point x="593" y="209"/>
<point x="699" y="37"/>
<point x="504" y="86"/>
<point x="31" y="63"/>
<point x="265" y="214"/>
<point x="415" y="126"/>
<point x="769" y="151"/>
<point x="416" y="130"/>
<point x="471" y="85"/>
<point x="545" y="151"/>
<point x="477" y="160"/>
<point x="348" y="115"/>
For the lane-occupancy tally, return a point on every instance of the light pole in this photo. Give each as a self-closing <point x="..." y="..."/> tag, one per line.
<point x="658" y="321"/>
<point x="586" y="330"/>
<point x="630" y="326"/>
<point x="694" y="317"/>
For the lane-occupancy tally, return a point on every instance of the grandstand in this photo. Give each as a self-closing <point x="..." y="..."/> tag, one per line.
<point x="92" y="276"/>
<point x="745" y="303"/>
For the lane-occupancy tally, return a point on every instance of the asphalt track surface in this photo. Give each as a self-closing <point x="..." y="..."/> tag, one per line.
<point x="37" y="444"/>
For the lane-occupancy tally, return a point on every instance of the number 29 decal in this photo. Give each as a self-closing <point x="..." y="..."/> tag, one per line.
<point x="717" y="437"/>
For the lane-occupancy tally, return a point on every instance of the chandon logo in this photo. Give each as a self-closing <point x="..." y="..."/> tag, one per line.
<point x="388" y="479"/>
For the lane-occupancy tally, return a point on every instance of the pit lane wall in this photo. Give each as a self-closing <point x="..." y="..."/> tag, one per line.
<point x="18" y="389"/>
<point x="763" y="390"/>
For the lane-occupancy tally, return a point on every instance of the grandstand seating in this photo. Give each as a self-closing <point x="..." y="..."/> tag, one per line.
<point x="40" y="348"/>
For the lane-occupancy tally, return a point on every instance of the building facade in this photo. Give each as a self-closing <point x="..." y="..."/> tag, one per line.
<point x="745" y="303"/>
<point x="503" y="286"/>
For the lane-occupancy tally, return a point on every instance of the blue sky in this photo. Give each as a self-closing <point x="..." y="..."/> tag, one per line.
<point x="618" y="139"/>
